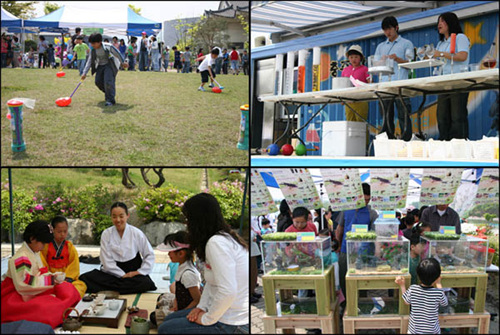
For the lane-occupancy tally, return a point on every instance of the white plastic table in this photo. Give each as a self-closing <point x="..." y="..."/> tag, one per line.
<point x="445" y="84"/>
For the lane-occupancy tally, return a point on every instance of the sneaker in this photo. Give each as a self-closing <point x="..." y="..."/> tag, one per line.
<point x="108" y="104"/>
<point x="211" y="85"/>
<point x="201" y="89"/>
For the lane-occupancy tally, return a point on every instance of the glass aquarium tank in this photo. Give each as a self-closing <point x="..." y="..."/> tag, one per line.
<point x="455" y="253"/>
<point x="282" y="254"/>
<point x="387" y="228"/>
<point x="368" y="254"/>
<point x="298" y="306"/>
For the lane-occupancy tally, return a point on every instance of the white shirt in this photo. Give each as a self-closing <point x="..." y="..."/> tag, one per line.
<point x="441" y="213"/>
<point x="208" y="61"/>
<point x="122" y="249"/>
<point x="225" y="296"/>
<point x="189" y="279"/>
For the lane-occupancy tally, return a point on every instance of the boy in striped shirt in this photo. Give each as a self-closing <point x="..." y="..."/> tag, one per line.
<point x="424" y="298"/>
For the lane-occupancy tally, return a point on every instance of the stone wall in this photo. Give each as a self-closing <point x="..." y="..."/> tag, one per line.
<point x="156" y="230"/>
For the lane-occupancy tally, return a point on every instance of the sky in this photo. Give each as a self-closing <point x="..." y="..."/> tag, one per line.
<point x="153" y="10"/>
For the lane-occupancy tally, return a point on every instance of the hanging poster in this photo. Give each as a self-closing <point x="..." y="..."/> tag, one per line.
<point x="389" y="188"/>
<point x="487" y="190"/>
<point x="439" y="186"/>
<point x="297" y="187"/>
<point x="262" y="202"/>
<point x="343" y="187"/>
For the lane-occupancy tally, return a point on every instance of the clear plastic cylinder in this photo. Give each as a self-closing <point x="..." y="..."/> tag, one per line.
<point x="290" y="63"/>
<point x="278" y="75"/>
<point x="301" y="83"/>
<point x="316" y="78"/>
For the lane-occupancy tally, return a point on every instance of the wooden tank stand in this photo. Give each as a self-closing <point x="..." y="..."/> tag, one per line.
<point x="481" y="321"/>
<point x="460" y="320"/>
<point x="329" y="324"/>
<point x="467" y="280"/>
<point x="324" y="286"/>
<point x="356" y="283"/>
<point x="388" y="321"/>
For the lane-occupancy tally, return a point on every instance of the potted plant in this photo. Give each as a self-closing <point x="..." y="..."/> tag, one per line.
<point x="139" y="325"/>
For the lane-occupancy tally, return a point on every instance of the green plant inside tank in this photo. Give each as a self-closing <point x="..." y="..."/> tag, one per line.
<point x="280" y="237"/>
<point x="370" y="235"/>
<point x="434" y="235"/>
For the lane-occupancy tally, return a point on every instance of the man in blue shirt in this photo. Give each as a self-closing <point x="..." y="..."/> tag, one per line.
<point x="363" y="216"/>
<point x="395" y="48"/>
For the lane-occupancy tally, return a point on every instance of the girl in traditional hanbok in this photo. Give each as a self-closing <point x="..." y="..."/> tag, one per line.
<point x="61" y="256"/>
<point x="126" y="255"/>
<point x="30" y="292"/>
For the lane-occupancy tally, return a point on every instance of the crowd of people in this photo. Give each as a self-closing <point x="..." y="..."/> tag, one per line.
<point x="144" y="54"/>
<point x="413" y="223"/>
<point x="44" y="274"/>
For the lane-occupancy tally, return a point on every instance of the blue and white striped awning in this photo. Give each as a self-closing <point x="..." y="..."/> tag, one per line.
<point x="272" y="16"/>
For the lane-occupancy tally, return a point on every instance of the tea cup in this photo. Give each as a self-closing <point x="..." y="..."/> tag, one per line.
<point x="114" y="304"/>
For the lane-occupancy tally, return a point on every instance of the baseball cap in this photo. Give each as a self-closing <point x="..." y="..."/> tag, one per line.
<point x="144" y="33"/>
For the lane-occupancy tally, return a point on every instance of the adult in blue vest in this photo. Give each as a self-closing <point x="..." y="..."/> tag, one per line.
<point x="347" y="219"/>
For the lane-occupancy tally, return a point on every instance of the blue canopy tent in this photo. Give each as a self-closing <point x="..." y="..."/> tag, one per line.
<point x="10" y="21"/>
<point x="121" y="20"/>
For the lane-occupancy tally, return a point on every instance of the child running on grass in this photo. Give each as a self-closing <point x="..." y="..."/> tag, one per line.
<point x="205" y="68"/>
<point x="105" y="60"/>
<point x="424" y="298"/>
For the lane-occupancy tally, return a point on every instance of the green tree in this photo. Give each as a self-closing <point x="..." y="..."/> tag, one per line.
<point x="182" y="31"/>
<point x="21" y="9"/>
<point x="246" y="29"/>
<point x="50" y="7"/>
<point x="137" y="10"/>
<point x="210" y="32"/>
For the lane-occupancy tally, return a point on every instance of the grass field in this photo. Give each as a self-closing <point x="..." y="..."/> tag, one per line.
<point x="159" y="119"/>
<point x="29" y="179"/>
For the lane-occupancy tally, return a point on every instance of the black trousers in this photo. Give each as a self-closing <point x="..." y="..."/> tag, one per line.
<point x="389" y="120"/>
<point x="452" y="116"/>
<point x="97" y="280"/>
<point x="105" y="81"/>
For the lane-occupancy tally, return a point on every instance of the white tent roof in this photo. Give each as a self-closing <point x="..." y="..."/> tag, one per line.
<point x="119" y="20"/>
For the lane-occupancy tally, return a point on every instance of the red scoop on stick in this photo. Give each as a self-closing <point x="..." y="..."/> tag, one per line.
<point x="66" y="101"/>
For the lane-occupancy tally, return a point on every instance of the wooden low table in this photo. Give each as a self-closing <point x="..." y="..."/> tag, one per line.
<point x="355" y="283"/>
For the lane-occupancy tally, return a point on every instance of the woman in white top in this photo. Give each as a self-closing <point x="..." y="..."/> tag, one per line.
<point x="126" y="255"/>
<point x="224" y="303"/>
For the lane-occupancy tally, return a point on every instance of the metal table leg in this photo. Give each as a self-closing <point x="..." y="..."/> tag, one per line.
<point x="291" y="109"/>
<point x="384" y="114"/>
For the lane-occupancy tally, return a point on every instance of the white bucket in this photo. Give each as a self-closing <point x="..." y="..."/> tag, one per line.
<point x="344" y="138"/>
<point x="417" y="149"/>
<point x="461" y="149"/>
<point x="438" y="149"/>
